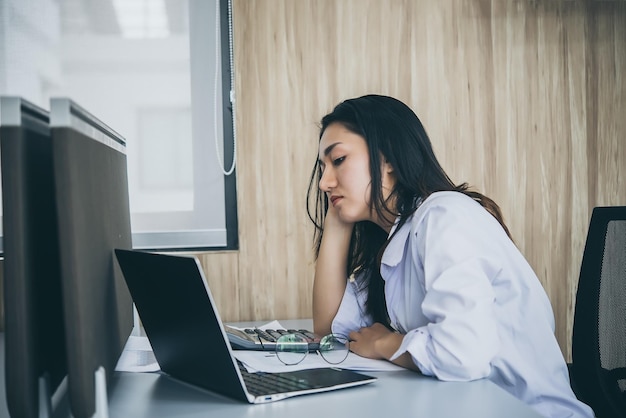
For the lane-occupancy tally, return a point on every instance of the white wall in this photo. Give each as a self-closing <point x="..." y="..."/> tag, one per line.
<point x="141" y="88"/>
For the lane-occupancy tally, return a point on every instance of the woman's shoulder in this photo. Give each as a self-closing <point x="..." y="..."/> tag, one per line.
<point x="448" y="200"/>
<point x="447" y="209"/>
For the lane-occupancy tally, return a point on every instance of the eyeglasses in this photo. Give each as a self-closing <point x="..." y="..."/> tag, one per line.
<point x="293" y="348"/>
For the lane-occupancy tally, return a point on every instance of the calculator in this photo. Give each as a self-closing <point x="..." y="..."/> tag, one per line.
<point x="265" y="339"/>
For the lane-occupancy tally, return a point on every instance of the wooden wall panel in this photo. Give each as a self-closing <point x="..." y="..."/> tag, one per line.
<point x="220" y="269"/>
<point x="526" y="100"/>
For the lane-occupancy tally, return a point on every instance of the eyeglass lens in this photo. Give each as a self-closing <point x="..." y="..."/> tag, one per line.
<point x="291" y="348"/>
<point x="334" y="348"/>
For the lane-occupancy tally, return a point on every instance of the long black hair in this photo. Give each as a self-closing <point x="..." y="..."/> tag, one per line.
<point x="391" y="130"/>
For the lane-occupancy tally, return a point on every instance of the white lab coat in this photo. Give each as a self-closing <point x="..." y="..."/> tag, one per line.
<point x="470" y="305"/>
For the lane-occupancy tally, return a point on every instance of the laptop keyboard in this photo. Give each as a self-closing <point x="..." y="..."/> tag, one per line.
<point x="259" y="384"/>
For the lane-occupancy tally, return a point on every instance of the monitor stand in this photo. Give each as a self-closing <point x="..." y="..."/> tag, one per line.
<point x="51" y="403"/>
<point x="102" y="402"/>
<point x="45" y="397"/>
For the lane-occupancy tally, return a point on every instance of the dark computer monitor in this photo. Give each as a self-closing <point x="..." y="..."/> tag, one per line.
<point x="90" y="178"/>
<point x="35" y="361"/>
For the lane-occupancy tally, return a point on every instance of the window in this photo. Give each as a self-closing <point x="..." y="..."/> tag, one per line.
<point x="159" y="73"/>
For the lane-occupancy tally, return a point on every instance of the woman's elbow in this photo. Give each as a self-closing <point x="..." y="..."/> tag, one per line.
<point x="463" y="366"/>
<point x="464" y="372"/>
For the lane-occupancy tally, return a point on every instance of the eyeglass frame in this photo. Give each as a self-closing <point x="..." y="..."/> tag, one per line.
<point x="311" y="342"/>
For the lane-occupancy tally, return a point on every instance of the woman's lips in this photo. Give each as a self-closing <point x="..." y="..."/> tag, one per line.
<point x="334" y="199"/>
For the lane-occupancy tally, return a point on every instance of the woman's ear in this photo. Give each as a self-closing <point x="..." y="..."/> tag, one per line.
<point x="387" y="167"/>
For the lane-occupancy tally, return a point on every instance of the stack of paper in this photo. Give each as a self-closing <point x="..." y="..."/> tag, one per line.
<point x="266" y="361"/>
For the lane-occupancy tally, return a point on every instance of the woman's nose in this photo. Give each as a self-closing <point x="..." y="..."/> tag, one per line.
<point x="328" y="181"/>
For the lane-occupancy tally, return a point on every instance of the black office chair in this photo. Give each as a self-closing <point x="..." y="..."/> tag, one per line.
<point x="598" y="369"/>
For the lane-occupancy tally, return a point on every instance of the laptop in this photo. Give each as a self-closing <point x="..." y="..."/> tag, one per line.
<point x="189" y="341"/>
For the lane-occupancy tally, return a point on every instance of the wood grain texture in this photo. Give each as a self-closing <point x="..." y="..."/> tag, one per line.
<point x="525" y="100"/>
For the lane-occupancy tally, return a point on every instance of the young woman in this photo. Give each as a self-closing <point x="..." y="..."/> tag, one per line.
<point x="420" y="271"/>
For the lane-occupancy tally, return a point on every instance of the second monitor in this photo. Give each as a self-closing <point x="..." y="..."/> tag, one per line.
<point x="90" y="178"/>
<point x="34" y="330"/>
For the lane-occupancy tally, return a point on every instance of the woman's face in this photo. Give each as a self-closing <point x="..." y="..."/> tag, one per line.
<point x="346" y="179"/>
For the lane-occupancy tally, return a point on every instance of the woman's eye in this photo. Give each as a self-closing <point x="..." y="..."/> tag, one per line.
<point x="338" y="161"/>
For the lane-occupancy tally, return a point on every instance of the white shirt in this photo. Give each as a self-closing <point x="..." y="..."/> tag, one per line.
<point x="469" y="304"/>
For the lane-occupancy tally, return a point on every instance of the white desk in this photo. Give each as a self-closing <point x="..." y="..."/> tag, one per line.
<point x="395" y="394"/>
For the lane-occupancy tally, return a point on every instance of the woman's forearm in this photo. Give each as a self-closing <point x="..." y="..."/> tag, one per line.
<point x="330" y="272"/>
<point x="378" y="342"/>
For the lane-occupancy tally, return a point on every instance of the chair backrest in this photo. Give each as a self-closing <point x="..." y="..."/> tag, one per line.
<point x="599" y="334"/>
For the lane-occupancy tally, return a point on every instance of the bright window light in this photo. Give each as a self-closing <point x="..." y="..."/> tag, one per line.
<point x="142" y="18"/>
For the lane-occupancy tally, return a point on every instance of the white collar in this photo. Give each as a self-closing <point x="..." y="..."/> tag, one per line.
<point x="394" y="252"/>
